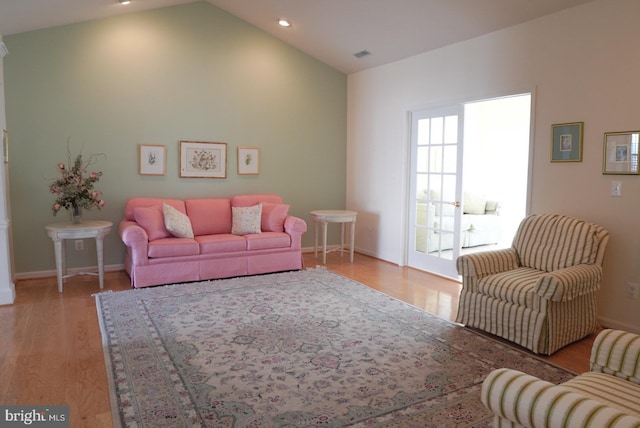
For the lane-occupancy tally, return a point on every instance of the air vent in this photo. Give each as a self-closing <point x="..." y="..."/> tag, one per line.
<point x="361" y="54"/>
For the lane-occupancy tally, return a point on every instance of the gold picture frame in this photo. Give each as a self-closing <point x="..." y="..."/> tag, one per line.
<point x="248" y="160"/>
<point x="203" y="160"/>
<point x="566" y="142"/>
<point x="620" y="153"/>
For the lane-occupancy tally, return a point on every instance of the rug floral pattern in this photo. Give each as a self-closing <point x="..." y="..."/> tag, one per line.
<point x="296" y="349"/>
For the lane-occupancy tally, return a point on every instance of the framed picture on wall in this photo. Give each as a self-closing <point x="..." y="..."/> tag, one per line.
<point x="566" y="142"/>
<point x="203" y="160"/>
<point x="621" y="153"/>
<point x="248" y="160"/>
<point x="152" y="159"/>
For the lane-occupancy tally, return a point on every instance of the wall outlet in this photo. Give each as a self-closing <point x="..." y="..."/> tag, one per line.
<point x="633" y="290"/>
<point x="79" y="244"/>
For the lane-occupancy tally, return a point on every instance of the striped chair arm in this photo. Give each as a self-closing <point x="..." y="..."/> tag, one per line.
<point x="617" y="353"/>
<point x="487" y="262"/>
<point x="566" y="284"/>
<point x="519" y="399"/>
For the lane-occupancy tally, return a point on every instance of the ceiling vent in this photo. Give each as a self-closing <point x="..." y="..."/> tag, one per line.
<point x="361" y="54"/>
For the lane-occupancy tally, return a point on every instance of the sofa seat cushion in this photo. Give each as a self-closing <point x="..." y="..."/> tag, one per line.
<point x="618" y="393"/>
<point x="221" y="243"/>
<point x="514" y="286"/>
<point x="173" y="247"/>
<point x="267" y="240"/>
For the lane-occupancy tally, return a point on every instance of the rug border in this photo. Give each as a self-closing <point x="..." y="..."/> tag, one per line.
<point x="113" y="397"/>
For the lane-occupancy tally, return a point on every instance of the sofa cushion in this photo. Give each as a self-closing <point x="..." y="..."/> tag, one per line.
<point x="267" y="240"/>
<point x="173" y="247"/>
<point x="514" y="286"/>
<point x="209" y="215"/>
<point x="550" y="242"/>
<point x="273" y="216"/>
<point x="152" y="221"/>
<point x="177" y="223"/>
<point x="474" y="204"/>
<point x="618" y="393"/>
<point x="133" y="203"/>
<point x="221" y="243"/>
<point x="251" y="200"/>
<point x="246" y="220"/>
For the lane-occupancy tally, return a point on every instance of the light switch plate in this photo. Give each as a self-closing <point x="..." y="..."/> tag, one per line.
<point x="616" y="188"/>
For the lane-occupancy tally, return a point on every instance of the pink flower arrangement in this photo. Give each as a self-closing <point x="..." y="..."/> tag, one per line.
<point x="74" y="187"/>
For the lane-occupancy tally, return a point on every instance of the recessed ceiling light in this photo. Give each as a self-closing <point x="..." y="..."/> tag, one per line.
<point x="124" y="1"/>
<point x="284" y="23"/>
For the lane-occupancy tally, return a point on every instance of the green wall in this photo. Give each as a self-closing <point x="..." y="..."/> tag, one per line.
<point x="189" y="72"/>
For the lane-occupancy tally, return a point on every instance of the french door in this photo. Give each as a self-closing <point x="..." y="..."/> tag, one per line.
<point x="435" y="190"/>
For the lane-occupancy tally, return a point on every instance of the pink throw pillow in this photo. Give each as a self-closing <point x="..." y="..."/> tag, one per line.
<point x="273" y="216"/>
<point x="152" y="221"/>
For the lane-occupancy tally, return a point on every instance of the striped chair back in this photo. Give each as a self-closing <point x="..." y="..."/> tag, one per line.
<point x="550" y="242"/>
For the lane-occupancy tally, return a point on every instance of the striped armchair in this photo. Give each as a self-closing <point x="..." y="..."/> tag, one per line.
<point x="606" y="396"/>
<point x="540" y="293"/>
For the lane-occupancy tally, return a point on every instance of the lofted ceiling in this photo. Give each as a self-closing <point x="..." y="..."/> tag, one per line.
<point x="330" y="30"/>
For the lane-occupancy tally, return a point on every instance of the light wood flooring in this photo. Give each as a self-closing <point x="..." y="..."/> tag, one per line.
<point x="51" y="347"/>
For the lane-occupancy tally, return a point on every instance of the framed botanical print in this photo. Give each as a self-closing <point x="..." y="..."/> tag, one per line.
<point x="248" y="160"/>
<point x="152" y="159"/>
<point x="203" y="160"/>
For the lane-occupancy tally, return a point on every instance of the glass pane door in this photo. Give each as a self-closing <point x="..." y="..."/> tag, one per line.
<point x="434" y="220"/>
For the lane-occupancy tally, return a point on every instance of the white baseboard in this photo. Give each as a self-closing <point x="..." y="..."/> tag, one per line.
<point x="52" y="273"/>
<point x="617" y="325"/>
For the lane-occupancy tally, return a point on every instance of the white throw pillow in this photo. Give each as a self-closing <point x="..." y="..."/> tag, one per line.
<point x="177" y="223"/>
<point x="246" y="220"/>
<point x="474" y="204"/>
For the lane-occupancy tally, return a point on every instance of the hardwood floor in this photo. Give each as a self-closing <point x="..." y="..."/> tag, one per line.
<point x="51" y="347"/>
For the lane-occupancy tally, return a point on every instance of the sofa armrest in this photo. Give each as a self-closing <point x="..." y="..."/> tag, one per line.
<point x="566" y="284"/>
<point x="136" y="240"/>
<point x="617" y="353"/>
<point x="525" y="400"/>
<point x="295" y="227"/>
<point x="487" y="262"/>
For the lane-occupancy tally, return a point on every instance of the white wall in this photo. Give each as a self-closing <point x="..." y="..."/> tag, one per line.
<point x="582" y="65"/>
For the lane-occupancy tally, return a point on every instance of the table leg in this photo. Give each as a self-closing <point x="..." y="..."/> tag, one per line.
<point x="58" y="248"/>
<point x="353" y="239"/>
<point x="315" y="245"/>
<point x="341" y="239"/>
<point x="99" y="253"/>
<point x="324" y="243"/>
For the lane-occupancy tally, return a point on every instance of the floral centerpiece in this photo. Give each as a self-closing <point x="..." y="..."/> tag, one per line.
<point x="74" y="188"/>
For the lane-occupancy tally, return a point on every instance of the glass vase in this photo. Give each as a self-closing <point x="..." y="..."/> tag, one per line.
<point x="76" y="214"/>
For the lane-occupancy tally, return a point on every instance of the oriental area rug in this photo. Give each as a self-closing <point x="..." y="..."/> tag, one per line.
<point x="296" y="349"/>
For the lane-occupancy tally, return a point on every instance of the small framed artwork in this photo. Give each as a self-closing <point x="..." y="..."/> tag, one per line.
<point x="248" y="160"/>
<point x="566" y="142"/>
<point x="5" y="146"/>
<point x="203" y="160"/>
<point x="153" y="159"/>
<point x="621" y="153"/>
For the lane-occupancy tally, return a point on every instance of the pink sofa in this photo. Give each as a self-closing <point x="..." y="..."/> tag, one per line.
<point x="154" y="256"/>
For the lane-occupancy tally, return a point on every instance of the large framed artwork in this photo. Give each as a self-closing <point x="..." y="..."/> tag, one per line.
<point x="566" y="142"/>
<point x="203" y="160"/>
<point x="620" y="155"/>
